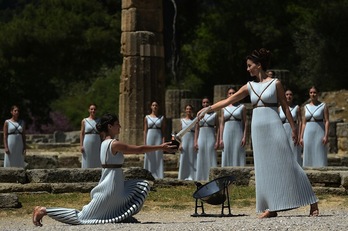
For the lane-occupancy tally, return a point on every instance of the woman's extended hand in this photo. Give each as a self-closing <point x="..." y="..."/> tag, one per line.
<point x="168" y="147"/>
<point x="202" y="112"/>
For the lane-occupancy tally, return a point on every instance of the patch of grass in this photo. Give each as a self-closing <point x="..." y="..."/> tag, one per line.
<point x="166" y="198"/>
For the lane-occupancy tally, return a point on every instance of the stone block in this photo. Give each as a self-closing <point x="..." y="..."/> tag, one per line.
<point x="329" y="179"/>
<point x="13" y="175"/>
<point x="142" y="4"/>
<point x="176" y="125"/>
<point x="135" y="19"/>
<point x="330" y="191"/>
<point x="138" y="173"/>
<point x="59" y="137"/>
<point x="41" y="161"/>
<point x="344" y="181"/>
<point x="220" y="91"/>
<point x="72" y="137"/>
<point x="142" y="43"/>
<point x="342" y="130"/>
<point x="84" y="187"/>
<point x="69" y="162"/>
<point x="342" y="145"/>
<point x="173" y="102"/>
<point x="332" y="129"/>
<point x="12" y="187"/>
<point x="242" y="174"/>
<point x="64" y="175"/>
<point x="333" y="144"/>
<point x="9" y="200"/>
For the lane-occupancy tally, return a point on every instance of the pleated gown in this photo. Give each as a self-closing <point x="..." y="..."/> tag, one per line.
<point x="113" y="200"/>
<point x="281" y="183"/>
<point x="91" y="144"/>
<point x="314" y="151"/>
<point x="233" y="153"/>
<point x="153" y="161"/>
<point x="15" y="145"/>
<point x="206" y="156"/>
<point x="296" y="149"/>
<point x="188" y="155"/>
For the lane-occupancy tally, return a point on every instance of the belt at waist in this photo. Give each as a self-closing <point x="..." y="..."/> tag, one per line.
<point x="14" y="133"/>
<point x="286" y="122"/>
<point x="266" y="105"/>
<point x="233" y="120"/>
<point x="91" y="133"/>
<point x="111" y="165"/>
<point x="315" y="120"/>
<point x="154" y="128"/>
<point x="209" y="126"/>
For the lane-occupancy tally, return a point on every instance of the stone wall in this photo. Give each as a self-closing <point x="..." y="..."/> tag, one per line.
<point x="324" y="180"/>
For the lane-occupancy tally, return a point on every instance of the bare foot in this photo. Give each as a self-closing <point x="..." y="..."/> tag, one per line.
<point x="38" y="214"/>
<point x="268" y="214"/>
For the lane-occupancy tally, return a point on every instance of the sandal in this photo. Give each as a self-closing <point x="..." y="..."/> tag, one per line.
<point x="314" y="211"/>
<point x="37" y="216"/>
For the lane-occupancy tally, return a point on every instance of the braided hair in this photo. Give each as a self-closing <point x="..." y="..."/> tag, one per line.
<point x="105" y="120"/>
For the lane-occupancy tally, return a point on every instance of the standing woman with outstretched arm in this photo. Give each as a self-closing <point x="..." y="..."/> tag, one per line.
<point x="281" y="183"/>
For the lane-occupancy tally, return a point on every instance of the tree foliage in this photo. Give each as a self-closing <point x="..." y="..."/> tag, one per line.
<point x="47" y="45"/>
<point x="305" y="38"/>
<point x="102" y="91"/>
<point x="58" y="56"/>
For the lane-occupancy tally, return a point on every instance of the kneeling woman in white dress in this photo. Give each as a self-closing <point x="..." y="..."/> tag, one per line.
<point x="113" y="199"/>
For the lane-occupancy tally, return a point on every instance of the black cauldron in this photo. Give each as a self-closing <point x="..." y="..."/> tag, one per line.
<point x="213" y="192"/>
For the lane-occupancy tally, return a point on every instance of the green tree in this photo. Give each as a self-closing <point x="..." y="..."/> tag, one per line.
<point x="46" y="45"/>
<point x="102" y="91"/>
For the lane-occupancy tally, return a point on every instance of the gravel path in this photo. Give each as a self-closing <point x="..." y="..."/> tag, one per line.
<point x="331" y="218"/>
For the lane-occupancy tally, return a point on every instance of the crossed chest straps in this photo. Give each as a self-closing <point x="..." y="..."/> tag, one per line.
<point x="312" y="115"/>
<point x="106" y="156"/>
<point x="94" y="130"/>
<point x="16" y="131"/>
<point x="153" y="126"/>
<point x="192" y="129"/>
<point x="231" y="117"/>
<point x="259" y="97"/>
<point x="286" y="120"/>
<point x="205" y="121"/>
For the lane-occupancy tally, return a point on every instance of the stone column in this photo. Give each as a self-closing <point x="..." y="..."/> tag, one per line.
<point x="142" y="78"/>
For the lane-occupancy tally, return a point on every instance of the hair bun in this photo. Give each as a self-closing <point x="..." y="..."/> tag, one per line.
<point x="262" y="54"/>
<point x="98" y="126"/>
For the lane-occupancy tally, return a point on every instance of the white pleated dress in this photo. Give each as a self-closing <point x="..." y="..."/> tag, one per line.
<point x="281" y="183"/>
<point x="206" y="156"/>
<point x="296" y="149"/>
<point x="15" y="144"/>
<point x="153" y="161"/>
<point x="314" y="151"/>
<point x="188" y="155"/>
<point x="91" y="144"/>
<point x="113" y="200"/>
<point x="233" y="153"/>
